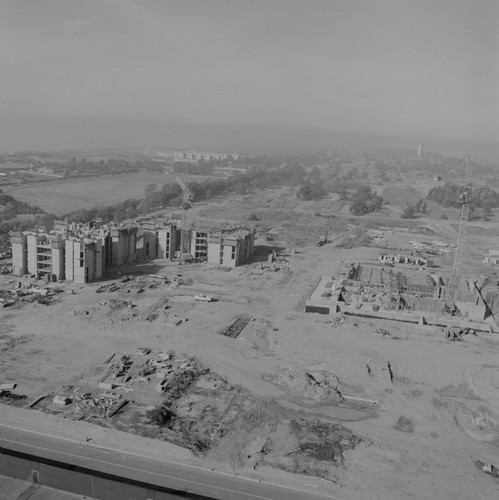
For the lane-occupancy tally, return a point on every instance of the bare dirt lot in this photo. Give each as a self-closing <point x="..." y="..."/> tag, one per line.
<point x="295" y="396"/>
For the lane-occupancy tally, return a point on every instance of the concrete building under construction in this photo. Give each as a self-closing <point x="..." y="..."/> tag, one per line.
<point x="168" y="238"/>
<point x="231" y="246"/>
<point x="401" y="293"/>
<point x="82" y="252"/>
<point x="38" y="254"/>
<point x="78" y="252"/>
<point x="84" y="259"/>
<point x="199" y="244"/>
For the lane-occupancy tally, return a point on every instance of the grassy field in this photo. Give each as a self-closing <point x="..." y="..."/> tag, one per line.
<point x="61" y="197"/>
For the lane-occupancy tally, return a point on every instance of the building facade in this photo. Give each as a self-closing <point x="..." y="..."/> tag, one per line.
<point x="84" y="259"/>
<point x="199" y="244"/>
<point x="82" y="253"/>
<point x="168" y="238"/>
<point x="231" y="247"/>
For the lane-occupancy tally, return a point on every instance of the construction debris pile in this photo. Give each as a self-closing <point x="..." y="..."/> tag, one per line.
<point x="123" y="309"/>
<point x="25" y="292"/>
<point x="317" y="446"/>
<point x="139" y="284"/>
<point x="321" y="385"/>
<point x="7" y="396"/>
<point x="197" y="407"/>
<point x="236" y="327"/>
<point x="317" y="385"/>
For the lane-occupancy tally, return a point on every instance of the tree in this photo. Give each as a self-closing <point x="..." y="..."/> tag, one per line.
<point x="408" y="213"/>
<point x="311" y="191"/>
<point x="150" y="189"/>
<point x="365" y="201"/>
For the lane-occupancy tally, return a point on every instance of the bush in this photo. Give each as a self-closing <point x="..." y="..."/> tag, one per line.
<point x="408" y="213"/>
<point x="365" y="201"/>
<point x="160" y="415"/>
<point x="444" y="217"/>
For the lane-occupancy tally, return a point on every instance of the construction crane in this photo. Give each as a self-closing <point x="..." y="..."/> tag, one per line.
<point x="465" y="199"/>
<point x="187" y="197"/>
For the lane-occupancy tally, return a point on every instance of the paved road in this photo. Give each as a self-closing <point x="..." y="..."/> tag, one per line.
<point x="170" y="474"/>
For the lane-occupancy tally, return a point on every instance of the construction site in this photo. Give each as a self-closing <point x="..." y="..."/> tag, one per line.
<point x="407" y="294"/>
<point x="411" y="287"/>
<point x="349" y="369"/>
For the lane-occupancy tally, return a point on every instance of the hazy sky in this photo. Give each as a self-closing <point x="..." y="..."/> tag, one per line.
<point x="415" y="68"/>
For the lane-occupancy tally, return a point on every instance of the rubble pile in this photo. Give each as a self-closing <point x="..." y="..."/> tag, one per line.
<point x="25" y="292"/>
<point x="318" y="449"/>
<point x="317" y="385"/>
<point x="139" y="284"/>
<point x="235" y="328"/>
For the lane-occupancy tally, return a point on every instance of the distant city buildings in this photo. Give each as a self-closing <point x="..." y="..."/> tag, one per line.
<point x="196" y="156"/>
<point x="82" y="252"/>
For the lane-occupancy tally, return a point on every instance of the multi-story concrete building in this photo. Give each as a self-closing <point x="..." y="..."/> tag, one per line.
<point x="120" y="245"/>
<point x="150" y="244"/>
<point x="76" y="252"/>
<point x="19" y="243"/>
<point x="199" y="244"/>
<point x="231" y="247"/>
<point x="168" y="241"/>
<point x="84" y="259"/>
<point x="81" y="253"/>
<point x="39" y="254"/>
<point x="45" y="255"/>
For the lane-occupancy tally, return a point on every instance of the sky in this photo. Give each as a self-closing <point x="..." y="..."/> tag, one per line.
<point x="91" y="73"/>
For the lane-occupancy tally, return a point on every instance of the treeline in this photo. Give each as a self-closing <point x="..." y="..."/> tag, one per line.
<point x="171" y="194"/>
<point x="450" y="195"/>
<point x="111" y="166"/>
<point x="10" y="207"/>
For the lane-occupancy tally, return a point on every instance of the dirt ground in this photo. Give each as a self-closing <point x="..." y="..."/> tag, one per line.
<point x="301" y="398"/>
